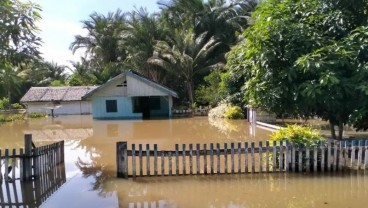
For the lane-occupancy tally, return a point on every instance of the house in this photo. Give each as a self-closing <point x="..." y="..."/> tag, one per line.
<point x="130" y="95"/>
<point x="60" y="100"/>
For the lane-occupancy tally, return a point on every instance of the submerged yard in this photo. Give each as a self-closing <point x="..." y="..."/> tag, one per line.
<point x="90" y="169"/>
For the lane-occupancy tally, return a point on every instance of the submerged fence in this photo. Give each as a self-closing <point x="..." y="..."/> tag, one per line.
<point x="30" y="162"/>
<point x="240" y="158"/>
<point x="32" y="193"/>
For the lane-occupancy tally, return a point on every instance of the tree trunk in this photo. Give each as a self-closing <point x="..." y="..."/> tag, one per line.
<point x="9" y="97"/>
<point x="190" y="92"/>
<point x="341" y="130"/>
<point x="332" y="129"/>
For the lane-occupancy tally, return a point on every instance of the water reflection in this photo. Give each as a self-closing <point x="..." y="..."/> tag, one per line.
<point x="32" y="193"/>
<point x="200" y="129"/>
<point x="272" y="190"/>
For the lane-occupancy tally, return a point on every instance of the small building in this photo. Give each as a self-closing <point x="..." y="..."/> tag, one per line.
<point x="130" y="95"/>
<point x="61" y="100"/>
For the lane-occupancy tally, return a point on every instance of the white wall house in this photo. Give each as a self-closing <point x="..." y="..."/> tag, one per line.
<point x="131" y="95"/>
<point x="64" y="100"/>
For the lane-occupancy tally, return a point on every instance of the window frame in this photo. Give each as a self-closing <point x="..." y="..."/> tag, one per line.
<point x="111" y="106"/>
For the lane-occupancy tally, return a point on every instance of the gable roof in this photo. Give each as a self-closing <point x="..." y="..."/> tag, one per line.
<point x="47" y="94"/>
<point x="138" y="76"/>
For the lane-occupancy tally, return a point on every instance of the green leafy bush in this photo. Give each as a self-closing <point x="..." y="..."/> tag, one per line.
<point x="298" y="134"/>
<point x="17" y="106"/>
<point x="4" y="118"/>
<point x="4" y="104"/>
<point x="37" y="115"/>
<point x="234" y="112"/>
<point x="17" y="117"/>
<point x="11" y="117"/>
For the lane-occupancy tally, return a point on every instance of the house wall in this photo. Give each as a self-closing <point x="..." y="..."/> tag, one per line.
<point x="112" y="89"/>
<point x="124" y="108"/>
<point x="37" y="107"/>
<point x="139" y="88"/>
<point x="67" y="108"/>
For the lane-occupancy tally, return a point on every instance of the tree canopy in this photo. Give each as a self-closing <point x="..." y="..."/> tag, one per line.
<point x="19" y="42"/>
<point x="306" y="58"/>
<point x="176" y="47"/>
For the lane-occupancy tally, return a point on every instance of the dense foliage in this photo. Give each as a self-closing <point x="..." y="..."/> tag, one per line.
<point x="298" y="134"/>
<point x="234" y="112"/>
<point x="20" y="64"/>
<point x="177" y="47"/>
<point x="4" y="104"/>
<point x="306" y="58"/>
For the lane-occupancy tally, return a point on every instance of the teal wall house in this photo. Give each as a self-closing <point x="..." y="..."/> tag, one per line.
<point x="130" y="95"/>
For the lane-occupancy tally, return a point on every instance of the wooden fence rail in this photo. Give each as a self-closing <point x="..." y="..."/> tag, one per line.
<point x="30" y="162"/>
<point x="240" y="158"/>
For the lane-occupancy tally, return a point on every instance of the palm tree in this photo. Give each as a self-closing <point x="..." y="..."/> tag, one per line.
<point x="181" y="14"/>
<point x="225" y="21"/>
<point x="102" y="41"/>
<point x="81" y="74"/>
<point x="138" y="39"/>
<point x="187" y="56"/>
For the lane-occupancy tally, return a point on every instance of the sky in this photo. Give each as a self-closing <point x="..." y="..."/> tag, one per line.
<point x="61" y="21"/>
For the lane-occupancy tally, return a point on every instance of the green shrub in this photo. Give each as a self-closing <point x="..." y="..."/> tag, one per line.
<point x="37" y="115"/>
<point x="11" y="117"/>
<point x="17" y="117"/>
<point x="4" y="104"/>
<point x="298" y="134"/>
<point x="234" y="112"/>
<point x="4" y="118"/>
<point x="17" y="106"/>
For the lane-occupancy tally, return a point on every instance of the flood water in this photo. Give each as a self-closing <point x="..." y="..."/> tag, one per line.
<point x="90" y="169"/>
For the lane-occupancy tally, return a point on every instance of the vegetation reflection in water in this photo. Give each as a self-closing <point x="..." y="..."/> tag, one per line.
<point x="91" y="173"/>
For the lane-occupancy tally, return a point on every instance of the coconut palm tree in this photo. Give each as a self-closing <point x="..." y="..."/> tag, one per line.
<point x="181" y="14"/>
<point x="101" y="44"/>
<point x="187" y="56"/>
<point x="81" y="74"/>
<point x="138" y="39"/>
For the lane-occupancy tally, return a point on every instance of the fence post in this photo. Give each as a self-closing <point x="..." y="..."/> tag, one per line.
<point x="27" y="173"/>
<point x="1" y="174"/>
<point x="122" y="159"/>
<point x="260" y="156"/>
<point x="6" y="165"/>
<point x="307" y="157"/>
<point x="184" y="163"/>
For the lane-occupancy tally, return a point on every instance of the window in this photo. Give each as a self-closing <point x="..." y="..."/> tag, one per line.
<point x="111" y="106"/>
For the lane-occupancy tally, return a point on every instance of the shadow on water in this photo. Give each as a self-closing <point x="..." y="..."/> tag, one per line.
<point x="17" y="193"/>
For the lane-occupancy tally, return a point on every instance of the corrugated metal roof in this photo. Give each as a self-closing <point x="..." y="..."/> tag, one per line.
<point x="47" y="94"/>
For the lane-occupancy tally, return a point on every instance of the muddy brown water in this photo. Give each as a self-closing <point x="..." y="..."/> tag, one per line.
<point x="90" y="170"/>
